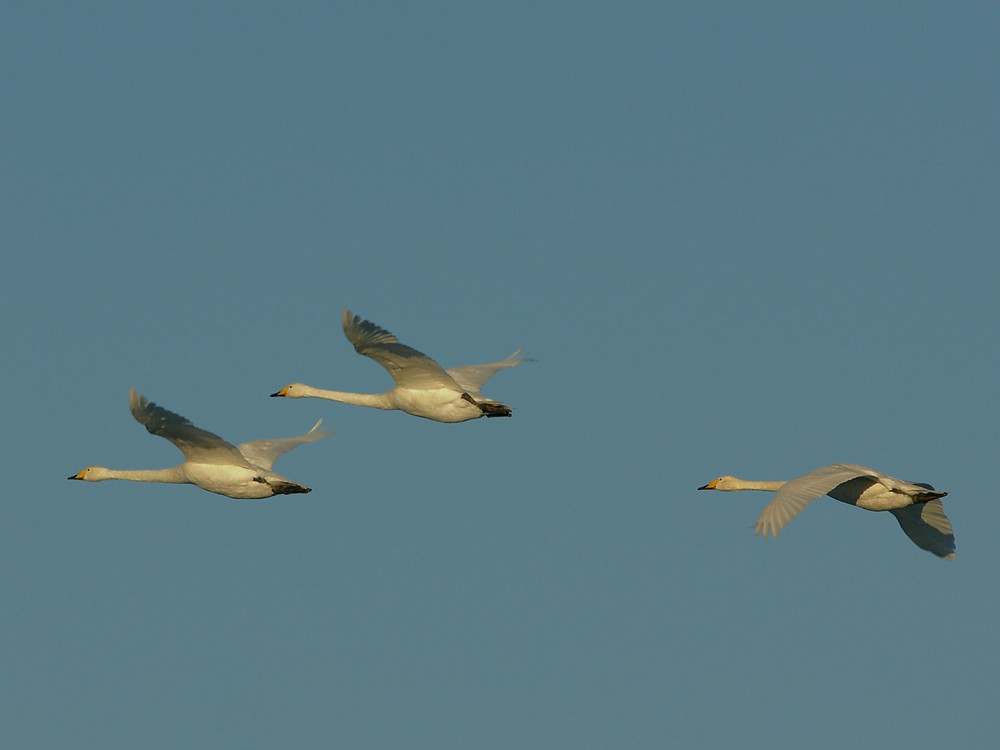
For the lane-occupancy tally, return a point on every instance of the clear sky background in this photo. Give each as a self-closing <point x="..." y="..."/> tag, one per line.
<point x="738" y="239"/>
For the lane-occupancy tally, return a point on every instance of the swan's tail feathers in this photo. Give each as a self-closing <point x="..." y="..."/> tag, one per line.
<point x="287" y="488"/>
<point x="493" y="409"/>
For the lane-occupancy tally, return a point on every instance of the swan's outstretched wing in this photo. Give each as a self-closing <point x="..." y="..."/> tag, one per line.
<point x="264" y="453"/>
<point x="408" y="367"/>
<point x="928" y="527"/>
<point x="798" y="493"/>
<point x="196" y="444"/>
<point x="473" y="377"/>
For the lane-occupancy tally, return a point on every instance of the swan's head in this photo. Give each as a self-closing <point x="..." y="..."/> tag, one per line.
<point x="295" y="390"/>
<point x="723" y="483"/>
<point x="91" y="474"/>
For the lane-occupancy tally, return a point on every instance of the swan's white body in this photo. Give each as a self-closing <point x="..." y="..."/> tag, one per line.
<point x="239" y="471"/>
<point x="917" y="507"/>
<point x="423" y="388"/>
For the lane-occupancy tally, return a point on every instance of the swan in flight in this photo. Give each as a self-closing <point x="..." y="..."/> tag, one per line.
<point x="423" y="388"/>
<point x="241" y="471"/>
<point x="917" y="507"/>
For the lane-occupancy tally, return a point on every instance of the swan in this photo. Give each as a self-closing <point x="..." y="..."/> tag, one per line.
<point x="240" y="471"/>
<point x="423" y="388"/>
<point x="917" y="507"/>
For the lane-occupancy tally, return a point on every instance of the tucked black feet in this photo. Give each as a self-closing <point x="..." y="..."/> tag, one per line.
<point x="494" y="410"/>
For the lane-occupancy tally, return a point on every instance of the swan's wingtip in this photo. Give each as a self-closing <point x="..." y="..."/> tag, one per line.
<point x="321" y="434"/>
<point x="764" y="530"/>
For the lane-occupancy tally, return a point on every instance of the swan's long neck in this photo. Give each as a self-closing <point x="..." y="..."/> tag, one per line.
<point x="736" y="485"/>
<point x="173" y="475"/>
<point x="374" y="400"/>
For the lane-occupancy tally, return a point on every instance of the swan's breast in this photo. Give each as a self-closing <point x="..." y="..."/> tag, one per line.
<point x="240" y="482"/>
<point x="439" y="404"/>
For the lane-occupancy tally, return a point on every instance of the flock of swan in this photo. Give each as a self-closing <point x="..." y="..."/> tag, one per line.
<point x="424" y="389"/>
<point x="244" y="471"/>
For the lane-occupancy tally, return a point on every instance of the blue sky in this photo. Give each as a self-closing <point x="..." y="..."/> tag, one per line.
<point x="737" y="238"/>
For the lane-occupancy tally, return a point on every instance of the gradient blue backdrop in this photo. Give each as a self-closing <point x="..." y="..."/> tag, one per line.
<point x="746" y="239"/>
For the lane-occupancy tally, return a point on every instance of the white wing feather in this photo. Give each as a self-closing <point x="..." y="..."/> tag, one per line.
<point x="197" y="445"/>
<point x="409" y="368"/>
<point x="264" y="453"/>
<point x="928" y="527"/>
<point x="472" y="378"/>
<point x="798" y="493"/>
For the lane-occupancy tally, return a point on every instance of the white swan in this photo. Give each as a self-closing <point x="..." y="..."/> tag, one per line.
<point x="423" y="388"/>
<point x="917" y="507"/>
<point x="240" y="471"/>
